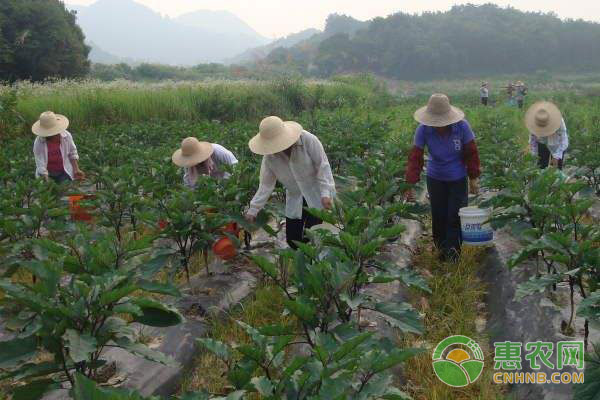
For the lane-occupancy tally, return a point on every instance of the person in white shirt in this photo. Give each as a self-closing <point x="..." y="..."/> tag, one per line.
<point x="202" y="158"/>
<point x="484" y="93"/>
<point x="548" y="134"/>
<point x="295" y="158"/>
<point x="54" y="150"/>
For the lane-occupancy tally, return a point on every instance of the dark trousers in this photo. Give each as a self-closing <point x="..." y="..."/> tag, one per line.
<point x="544" y="157"/>
<point x="60" y="178"/>
<point x="446" y="199"/>
<point x="484" y="101"/>
<point x="520" y="103"/>
<point x="294" y="228"/>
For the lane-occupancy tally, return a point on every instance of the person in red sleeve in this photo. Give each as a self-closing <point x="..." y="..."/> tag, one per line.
<point x="453" y="156"/>
<point x="55" y="152"/>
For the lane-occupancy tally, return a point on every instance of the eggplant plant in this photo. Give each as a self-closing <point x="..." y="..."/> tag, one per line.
<point x="89" y="292"/>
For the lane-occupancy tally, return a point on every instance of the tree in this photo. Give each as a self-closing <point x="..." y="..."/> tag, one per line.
<point x="40" y="39"/>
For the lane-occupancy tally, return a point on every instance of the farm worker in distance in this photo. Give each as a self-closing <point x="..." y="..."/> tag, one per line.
<point x="484" y="93"/>
<point x="202" y="158"/>
<point x="521" y="90"/>
<point x="55" y="152"/>
<point x="295" y="158"/>
<point x="510" y="90"/>
<point x="453" y="156"/>
<point x="548" y="134"/>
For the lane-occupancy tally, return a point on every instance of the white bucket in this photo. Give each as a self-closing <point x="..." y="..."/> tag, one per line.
<point x="474" y="231"/>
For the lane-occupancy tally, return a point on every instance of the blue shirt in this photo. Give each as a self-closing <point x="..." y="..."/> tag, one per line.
<point x="446" y="160"/>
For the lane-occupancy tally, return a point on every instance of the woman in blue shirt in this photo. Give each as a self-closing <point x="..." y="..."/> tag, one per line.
<point x="453" y="156"/>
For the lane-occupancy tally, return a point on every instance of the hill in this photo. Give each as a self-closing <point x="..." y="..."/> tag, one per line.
<point x="259" y="53"/>
<point x="137" y="32"/>
<point x="467" y="40"/>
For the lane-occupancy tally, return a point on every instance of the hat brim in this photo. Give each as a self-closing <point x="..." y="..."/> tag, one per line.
<point x="205" y="151"/>
<point x="553" y="124"/>
<point x="423" y="116"/>
<point x="291" y="134"/>
<point x="62" y="123"/>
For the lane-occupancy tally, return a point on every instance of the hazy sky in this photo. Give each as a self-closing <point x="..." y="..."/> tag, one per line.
<point x="275" y="18"/>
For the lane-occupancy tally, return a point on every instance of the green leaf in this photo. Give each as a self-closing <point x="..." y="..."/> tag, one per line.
<point x="396" y="357"/>
<point x="536" y="285"/>
<point x="305" y="312"/>
<point x="80" y="346"/>
<point x="156" y="314"/>
<point x="402" y="316"/>
<point x="347" y="347"/>
<point x="34" y="390"/>
<point x="263" y="385"/>
<point x="216" y="347"/>
<point x="14" y="352"/>
<point x="146" y="352"/>
<point x="115" y="295"/>
<point x="159" y="288"/>
<point x="276" y="330"/>
<point x="265" y="265"/>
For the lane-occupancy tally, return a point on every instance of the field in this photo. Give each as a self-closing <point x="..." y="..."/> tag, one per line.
<point x="71" y="292"/>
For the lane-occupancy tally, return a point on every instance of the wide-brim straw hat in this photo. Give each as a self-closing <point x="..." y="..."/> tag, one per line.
<point x="438" y="112"/>
<point x="543" y="119"/>
<point x="192" y="152"/>
<point x="274" y="136"/>
<point x="50" y="124"/>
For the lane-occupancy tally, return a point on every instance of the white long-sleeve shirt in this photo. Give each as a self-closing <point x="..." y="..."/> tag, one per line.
<point x="220" y="156"/>
<point x="67" y="149"/>
<point x="305" y="174"/>
<point x="557" y="143"/>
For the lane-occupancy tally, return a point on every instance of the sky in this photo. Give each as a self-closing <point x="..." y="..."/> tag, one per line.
<point x="276" y="18"/>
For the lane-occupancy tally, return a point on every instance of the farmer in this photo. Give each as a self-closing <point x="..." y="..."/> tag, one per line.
<point x="295" y="158"/>
<point x="521" y="92"/>
<point x="484" y="93"/>
<point x="202" y="158"/>
<point x="510" y="91"/>
<point x="548" y="134"/>
<point x="55" y="152"/>
<point x="453" y="156"/>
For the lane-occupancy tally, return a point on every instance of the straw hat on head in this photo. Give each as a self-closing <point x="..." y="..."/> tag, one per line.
<point x="438" y="112"/>
<point x="50" y="124"/>
<point x="274" y="136"/>
<point x="543" y="119"/>
<point x="192" y="152"/>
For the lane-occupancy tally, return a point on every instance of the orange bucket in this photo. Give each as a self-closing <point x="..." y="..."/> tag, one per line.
<point x="224" y="249"/>
<point x="79" y="213"/>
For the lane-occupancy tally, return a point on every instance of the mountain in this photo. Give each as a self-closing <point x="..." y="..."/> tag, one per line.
<point x="131" y="30"/>
<point x="466" y="41"/>
<point x="258" y="53"/>
<point x="98" y="55"/>
<point x="222" y="22"/>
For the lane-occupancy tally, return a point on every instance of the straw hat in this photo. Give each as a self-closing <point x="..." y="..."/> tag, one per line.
<point x="192" y="152"/>
<point x="274" y="136"/>
<point x="438" y="112"/>
<point x="543" y="119"/>
<point x="50" y="124"/>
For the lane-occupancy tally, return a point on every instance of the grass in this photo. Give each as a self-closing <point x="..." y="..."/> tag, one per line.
<point x="263" y="308"/>
<point x="455" y="307"/>
<point x="90" y="104"/>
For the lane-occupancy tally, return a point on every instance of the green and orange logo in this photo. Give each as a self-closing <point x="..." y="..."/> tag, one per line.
<point x="458" y="361"/>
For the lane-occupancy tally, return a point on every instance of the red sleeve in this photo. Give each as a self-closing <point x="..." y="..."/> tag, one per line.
<point x="415" y="165"/>
<point x="472" y="160"/>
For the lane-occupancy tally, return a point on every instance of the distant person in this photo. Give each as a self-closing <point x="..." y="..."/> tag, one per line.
<point x="295" y="158"/>
<point x="521" y="92"/>
<point x="202" y="158"/>
<point x="548" y="134"/>
<point x="510" y="91"/>
<point x="484" y="93"/>
<point x="453" y="156"/>
<point x="55" y="152"/>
